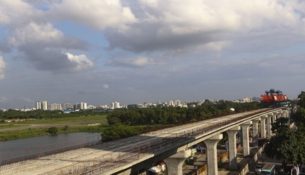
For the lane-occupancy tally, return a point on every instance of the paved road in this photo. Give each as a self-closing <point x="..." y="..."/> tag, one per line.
<point x="105" y="158"/>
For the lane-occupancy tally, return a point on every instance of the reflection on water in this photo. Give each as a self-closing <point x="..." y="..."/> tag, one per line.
<point x="21" y="149"/>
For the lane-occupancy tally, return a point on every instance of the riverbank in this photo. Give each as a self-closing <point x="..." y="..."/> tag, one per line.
<point x="39" y="127"/>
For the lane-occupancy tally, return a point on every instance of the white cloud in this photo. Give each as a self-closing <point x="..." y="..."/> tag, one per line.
<point x="175" y="25"/>
<point x="80" y="62"/>
<point x="210" y="15"/>
<point x="100" y="14"/>
<point x="16" y="12"/>
<point x="2" y="67"/>
<point x="36" y="33"/>
<point x="133" y="62"/>
<point x="45" y="47"/>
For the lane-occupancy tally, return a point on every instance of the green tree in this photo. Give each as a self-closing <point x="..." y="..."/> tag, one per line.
<point x="288" y="144"/>
<point x="302" y="99"/>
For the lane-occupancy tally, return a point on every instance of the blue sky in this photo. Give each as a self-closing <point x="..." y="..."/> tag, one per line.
<point x="134" y="51"/>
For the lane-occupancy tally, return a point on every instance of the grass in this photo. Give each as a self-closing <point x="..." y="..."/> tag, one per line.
<point x="110" y="132"/>
<point x="38" y="127"/>
<point x="81" y="120"/>
<point x="72" y="121"/>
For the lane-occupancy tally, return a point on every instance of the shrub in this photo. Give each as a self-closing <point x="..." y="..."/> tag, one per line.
<point x="52" y="131"/>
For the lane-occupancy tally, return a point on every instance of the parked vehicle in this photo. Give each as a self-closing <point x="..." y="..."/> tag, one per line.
<point x="258" y="168"/>
<point x="268" y="169"/>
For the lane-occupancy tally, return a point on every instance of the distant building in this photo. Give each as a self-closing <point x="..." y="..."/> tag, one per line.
<point x="42" y="105"/>
<point x="67" y="107"/>
<point x="83" y="106"/>
<point x="80" y="106"/>
<point x="115" y="105"/>
<point x="38" y="105"/>
<point x="55" y="106"/>
<point x="244" y="100"/>
<point x="91" y="107"/>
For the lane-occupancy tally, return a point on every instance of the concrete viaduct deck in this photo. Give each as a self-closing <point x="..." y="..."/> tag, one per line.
<point x="170" y="144"/>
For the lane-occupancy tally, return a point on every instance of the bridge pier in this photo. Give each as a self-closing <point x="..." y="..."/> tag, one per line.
<point x="269" y="124"/>
<point x="274" y="118"/>
<point x="255" y="128"/>
<point x="245" y="137"/>
<point x="282" y="114"/>
<point x="175" y="162"/>
<point x="263" y="127"/>
<point x="232" y="147"/>
<point x="211" y="145"/>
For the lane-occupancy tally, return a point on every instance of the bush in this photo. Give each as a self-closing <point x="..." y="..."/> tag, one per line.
<point x="66" y="127"/>
<point x="52" y="131"/>
<point x="119" y="131"/>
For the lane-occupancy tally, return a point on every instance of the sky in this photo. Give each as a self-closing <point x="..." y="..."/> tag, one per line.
<point x="135" y="51"/>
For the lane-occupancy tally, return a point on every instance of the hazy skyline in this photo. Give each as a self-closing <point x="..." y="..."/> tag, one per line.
<point x="149" y="50"/>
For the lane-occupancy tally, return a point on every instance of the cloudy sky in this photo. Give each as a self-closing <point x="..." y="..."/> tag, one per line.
<point x="149" y="50"/>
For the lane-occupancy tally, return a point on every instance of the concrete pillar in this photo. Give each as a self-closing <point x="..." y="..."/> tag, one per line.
<point x="232" y="147"/>
<point x="288" y="113"/>
<point x="175" y="162"/>
<point x="275" y="117"/>
<point x="269" y="125"/>
<point x="211" y="145"/>
<point x="263" y="127"/>
<point x="283" y="114"/>
<point x="245" y="137"/>
<point x="255" y="128"/>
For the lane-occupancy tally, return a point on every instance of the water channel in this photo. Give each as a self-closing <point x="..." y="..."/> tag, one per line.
<point x="17" y="150"/>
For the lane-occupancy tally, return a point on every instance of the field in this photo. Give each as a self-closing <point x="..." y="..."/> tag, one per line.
<point x="38" y="127"/>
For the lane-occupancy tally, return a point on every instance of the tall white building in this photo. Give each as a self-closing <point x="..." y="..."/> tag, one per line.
<point x="38" y="105"/>
<point x="115" y="105"/>
<point x="43" y="105"/>
<point x="83" y="105"/>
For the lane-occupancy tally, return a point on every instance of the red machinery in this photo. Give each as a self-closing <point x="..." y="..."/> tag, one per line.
<point x="273" y="97"/>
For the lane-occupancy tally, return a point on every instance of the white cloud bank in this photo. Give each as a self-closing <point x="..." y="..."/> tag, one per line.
<point x="2" y="67"/>
<point x="143" y="26"/>
<point x="175" y="25"/>
<point x="100" y="14"/>
<point x="133" y="62"/>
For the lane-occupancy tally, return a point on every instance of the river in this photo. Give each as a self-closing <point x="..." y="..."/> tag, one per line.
<point x="16" y="150"/>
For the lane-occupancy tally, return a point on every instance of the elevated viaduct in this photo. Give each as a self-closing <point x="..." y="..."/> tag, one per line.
<point x="131" y="155"/>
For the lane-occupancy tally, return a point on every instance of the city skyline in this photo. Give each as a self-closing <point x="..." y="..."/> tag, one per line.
<point x="133" y="51"/>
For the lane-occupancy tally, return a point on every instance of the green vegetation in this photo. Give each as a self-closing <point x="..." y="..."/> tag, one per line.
<point x="122" y="131"/>
<point x="176" y="115"/>
<point x="288" y="144"/>
<point x="113" y="125"/>
<point x="38" y="127"/>
<point x="53" y="131"/>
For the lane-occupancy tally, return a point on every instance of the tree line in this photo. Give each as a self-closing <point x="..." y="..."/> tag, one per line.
<point x="176" y="115"/>
<point x="288" y="143"/>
